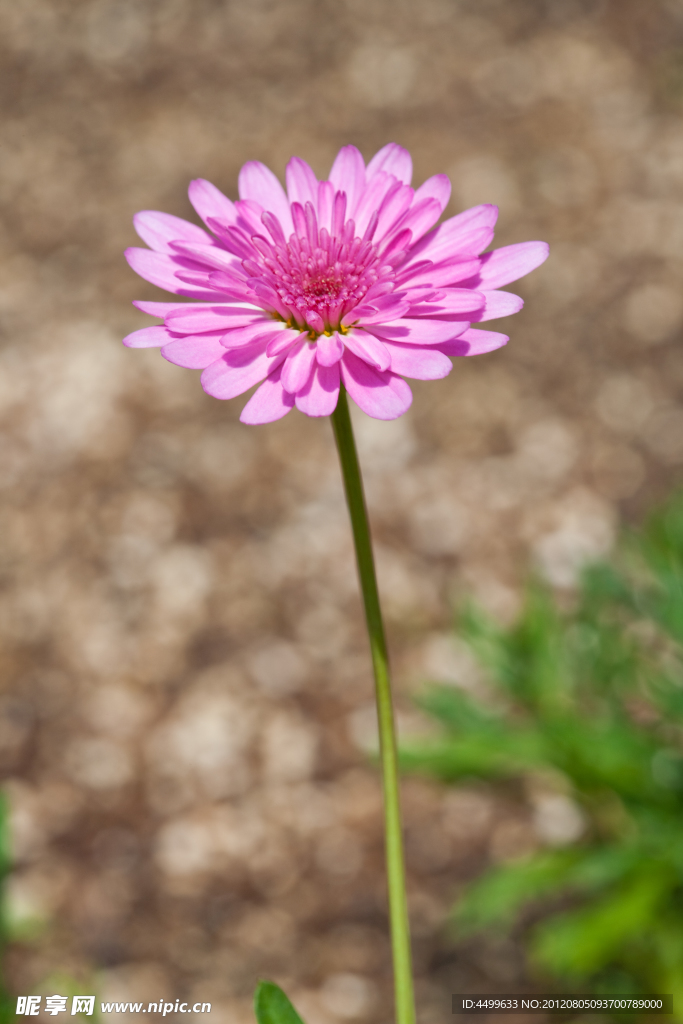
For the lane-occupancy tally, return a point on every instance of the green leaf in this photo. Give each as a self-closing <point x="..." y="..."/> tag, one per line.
<point x="272" y="1006"/>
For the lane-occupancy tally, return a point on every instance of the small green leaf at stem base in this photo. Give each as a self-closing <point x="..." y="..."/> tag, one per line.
<point x="272" y="1006"/>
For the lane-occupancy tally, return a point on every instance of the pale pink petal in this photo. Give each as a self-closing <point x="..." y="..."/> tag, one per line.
<point x="393" y="159"/>
<point x="209" y="201"/>
<point x="298" y="366"/>
<point x="265" y="331"/>
<point x="448" y="272"/>
<point x="438" y="187"/>
<point x="419" y="332"/>
<point x="160" y="229"/>
<point x="419" y="363"/>
<point x="395" y="205"/>
<point x="237" y="370"/>
<point x="209" y="256"/>
<point x="348" y="175"/>
<point x="420" y="218"/>
<point x="163" y="271"/>
<point x="383" y="395"/>
<point x="453" y="300"/>
<point x="161" y="309"/>
<point x="148" y="337"/>
<point x="258" y="183"/>
<point x="319" y="396"/>
<point x="302" y="184"/>
<point x="369" y="348"/>
<point x="325" y="204"/>
<point x="194" y="353"/>
<point x="382" y="187"/>
<point x="466" y="234"/>
<point x="270" y="403"/>
<point x="198" y="320"/>
<point x="511" y="262"/>
<point x="377" y="312"/>
<point x="329" y="350"/>
<point x="474" y="343"/>
<point x="499" y="304"/>
<point x="285" y="341"/>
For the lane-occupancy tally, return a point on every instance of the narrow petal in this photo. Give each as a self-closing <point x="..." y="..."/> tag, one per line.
<point x="302" y="184"/>
<point x="511" y="262"/>
<point x="160" y="229"/>
<point x="298" y="366"/>
<point x="266" y="331"/>
<point x="368" y="348"/>
<point x="420" y="218"/>
<point x="159" y="308"/>
<point x="284" y="341"/>
<point x="467" y="233"/>
<point x="474" y="343"/>
<point x="200" y="319"/>
<point x="438" y="187"/>
<point x="394" y="159"/>
<point x="329" y="350"/>
<point x="209" y="256"/>
<point x="319" y="397"/>
<point x="271" y="402"/>
<point x="448" y="272"/>
<point x="325" y="204"/>
<point x="453" y="300"/>
<point x="194" y="353"/>
<point x="377" y="312"/>
<point x="348" y="175"/>
<point x="163" y="271"/>
<point x="383" y="395"/>
<point x="148" y="337"/>
<point x="419" y="332"/>
<point x="382" y="187"/>
<point x="419" y="363"/>
<point x="209" y="201"/>
<point x="258" y="183"/>
<point x="237" y="370"/>
<point x="393" y="210"/>
<point x="498" y="304"/>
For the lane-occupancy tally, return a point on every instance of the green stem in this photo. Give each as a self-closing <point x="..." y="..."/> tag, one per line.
<point x="398" y="908"/>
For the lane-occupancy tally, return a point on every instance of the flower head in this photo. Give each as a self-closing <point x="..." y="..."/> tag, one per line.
<point x="338" y="281"/>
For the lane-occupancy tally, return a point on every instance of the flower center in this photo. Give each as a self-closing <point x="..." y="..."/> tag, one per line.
<point x="316" y="277"/>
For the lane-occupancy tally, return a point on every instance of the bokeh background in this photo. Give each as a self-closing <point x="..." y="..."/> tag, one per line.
<point x="186" y="703"/>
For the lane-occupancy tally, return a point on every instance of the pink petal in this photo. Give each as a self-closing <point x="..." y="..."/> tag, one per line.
<point x="194" y="353"/>
<point x="438" y="187"/>
<point x="298" y="366"/>
<point x="421" y="217"/>
<point x="393" y="159"/>
<point x="378" y="191"/>
<point x="348" y="175"/>
<point x="368" y="348"/>
<point x="271" y="402"/>
<point x="325" y="204"/>
<point x="209" y="201"/>
<point x="237" y="370"/>
<point x="419" y="363"/>
<point x="160" y="229"/>
<point x="264" y="331"/>
<point x="467" y="233"/>
<point x="198" y="320"/>
<point x="392" y="210"/>
<point x="319" y="397"/>
<point x="329" y="350"/>
<point x="449" y="272"/>
<point x="163" y="271"/>
<point x="474" y="343"/>
<point x="454" y="300"/>
<point x="380" y="394"/>
<point x="284" y="341"/>
<point x="302" y="184"/>
<point x="419" y="332"/>
<point x="208" y="255"/>
<point x="499" y="304"/>
<point x="159" y="308"/>
<point x="511" y="262"/>
<point x="257" y="182"/>
<point x="148" y="337"/>
<point x="377" y="312"/>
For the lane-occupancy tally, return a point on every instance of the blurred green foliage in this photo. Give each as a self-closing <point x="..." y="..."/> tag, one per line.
<point x="590" y="702"/>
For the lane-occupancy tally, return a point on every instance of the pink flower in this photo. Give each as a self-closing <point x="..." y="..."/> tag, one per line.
<point x="333" y="281"/>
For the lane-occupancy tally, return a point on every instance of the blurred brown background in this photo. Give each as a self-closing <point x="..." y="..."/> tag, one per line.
<point x="186" y="698"/>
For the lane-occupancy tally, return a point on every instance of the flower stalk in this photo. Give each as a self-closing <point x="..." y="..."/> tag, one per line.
<point x="398" y="908"/>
